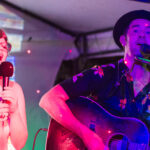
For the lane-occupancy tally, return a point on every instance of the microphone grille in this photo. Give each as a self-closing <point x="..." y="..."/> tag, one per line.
<point x="6" y="69"/>
<point x="145" y="49"/>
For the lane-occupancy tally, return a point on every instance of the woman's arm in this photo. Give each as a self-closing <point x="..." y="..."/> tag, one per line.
<point x="18" y="123"/>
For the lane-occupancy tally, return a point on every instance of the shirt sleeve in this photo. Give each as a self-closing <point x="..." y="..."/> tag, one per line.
<point x="88" y="81"/>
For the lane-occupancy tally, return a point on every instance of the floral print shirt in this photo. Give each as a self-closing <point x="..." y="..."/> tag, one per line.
<point x="112" y="87"/>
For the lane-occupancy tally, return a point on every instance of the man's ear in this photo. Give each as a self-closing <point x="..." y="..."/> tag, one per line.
<point x="122" y="40"/>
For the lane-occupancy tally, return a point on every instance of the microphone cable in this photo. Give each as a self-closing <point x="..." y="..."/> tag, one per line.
<point x="43" y="129"/>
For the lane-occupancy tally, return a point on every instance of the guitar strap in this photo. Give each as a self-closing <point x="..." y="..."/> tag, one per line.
<point x="119" y="75"/>
<point x="143" y="92"/>
<point x="142" y="99"/>
<point x="116" y="82"/>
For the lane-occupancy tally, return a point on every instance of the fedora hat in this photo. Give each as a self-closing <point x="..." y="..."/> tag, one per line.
<point x="124" y="21"/>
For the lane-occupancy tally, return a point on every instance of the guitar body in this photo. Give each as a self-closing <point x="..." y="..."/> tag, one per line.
<point x="99" y="120"/>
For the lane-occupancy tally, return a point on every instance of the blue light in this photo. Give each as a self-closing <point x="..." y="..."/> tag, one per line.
<point x="12" y="60"/>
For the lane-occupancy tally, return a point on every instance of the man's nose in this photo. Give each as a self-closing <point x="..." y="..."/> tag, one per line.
<point x="142" y="34"/>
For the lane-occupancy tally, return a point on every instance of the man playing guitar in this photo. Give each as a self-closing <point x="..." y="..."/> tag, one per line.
<point x="122" y="88"/>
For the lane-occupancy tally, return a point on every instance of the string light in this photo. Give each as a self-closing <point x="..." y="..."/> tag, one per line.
<point x="125" y="61"/>
<point x="38" y="91"/>
<point x="109" y="131"/>
<point x="28" y="51"/>
<point x="70" y="50"/>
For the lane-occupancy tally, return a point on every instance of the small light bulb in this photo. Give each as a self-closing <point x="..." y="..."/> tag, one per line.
<point x="28" y="51"/>
<point x="109" y="131"/>
<point x="125" y="61"/>
<point x="70" y="50"/>
<point x="38" y="91"/>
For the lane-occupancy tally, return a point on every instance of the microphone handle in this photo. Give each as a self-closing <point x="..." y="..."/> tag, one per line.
<point x="5" y="82"/>
<point x="143" y="60"/>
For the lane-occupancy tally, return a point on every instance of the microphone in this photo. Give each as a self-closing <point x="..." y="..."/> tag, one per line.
<point x="145" y="53"/>
<point x="142" y="60"/>
<point x="6" y="71"/>
<point x="145" y="50"/>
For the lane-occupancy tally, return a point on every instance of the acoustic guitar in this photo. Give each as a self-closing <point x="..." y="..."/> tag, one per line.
<point x="132" y="132"/>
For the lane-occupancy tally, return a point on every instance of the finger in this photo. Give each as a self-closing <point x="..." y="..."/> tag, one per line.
<point x="2" y="115"/>
<point x="7" y="92"/>
<point x="4" y="110"/>
<point x="8" y="98"/>
<point x="4" y="118"/>
<point x="6" y="114"/>
<point x="4" y="105"/>
<point x="7" y="88"/>
<point x="0" y="94"/>
<point x="8" y="102"/>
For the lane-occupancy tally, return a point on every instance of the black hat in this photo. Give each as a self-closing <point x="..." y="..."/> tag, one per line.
<point x="124" y="21"/>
